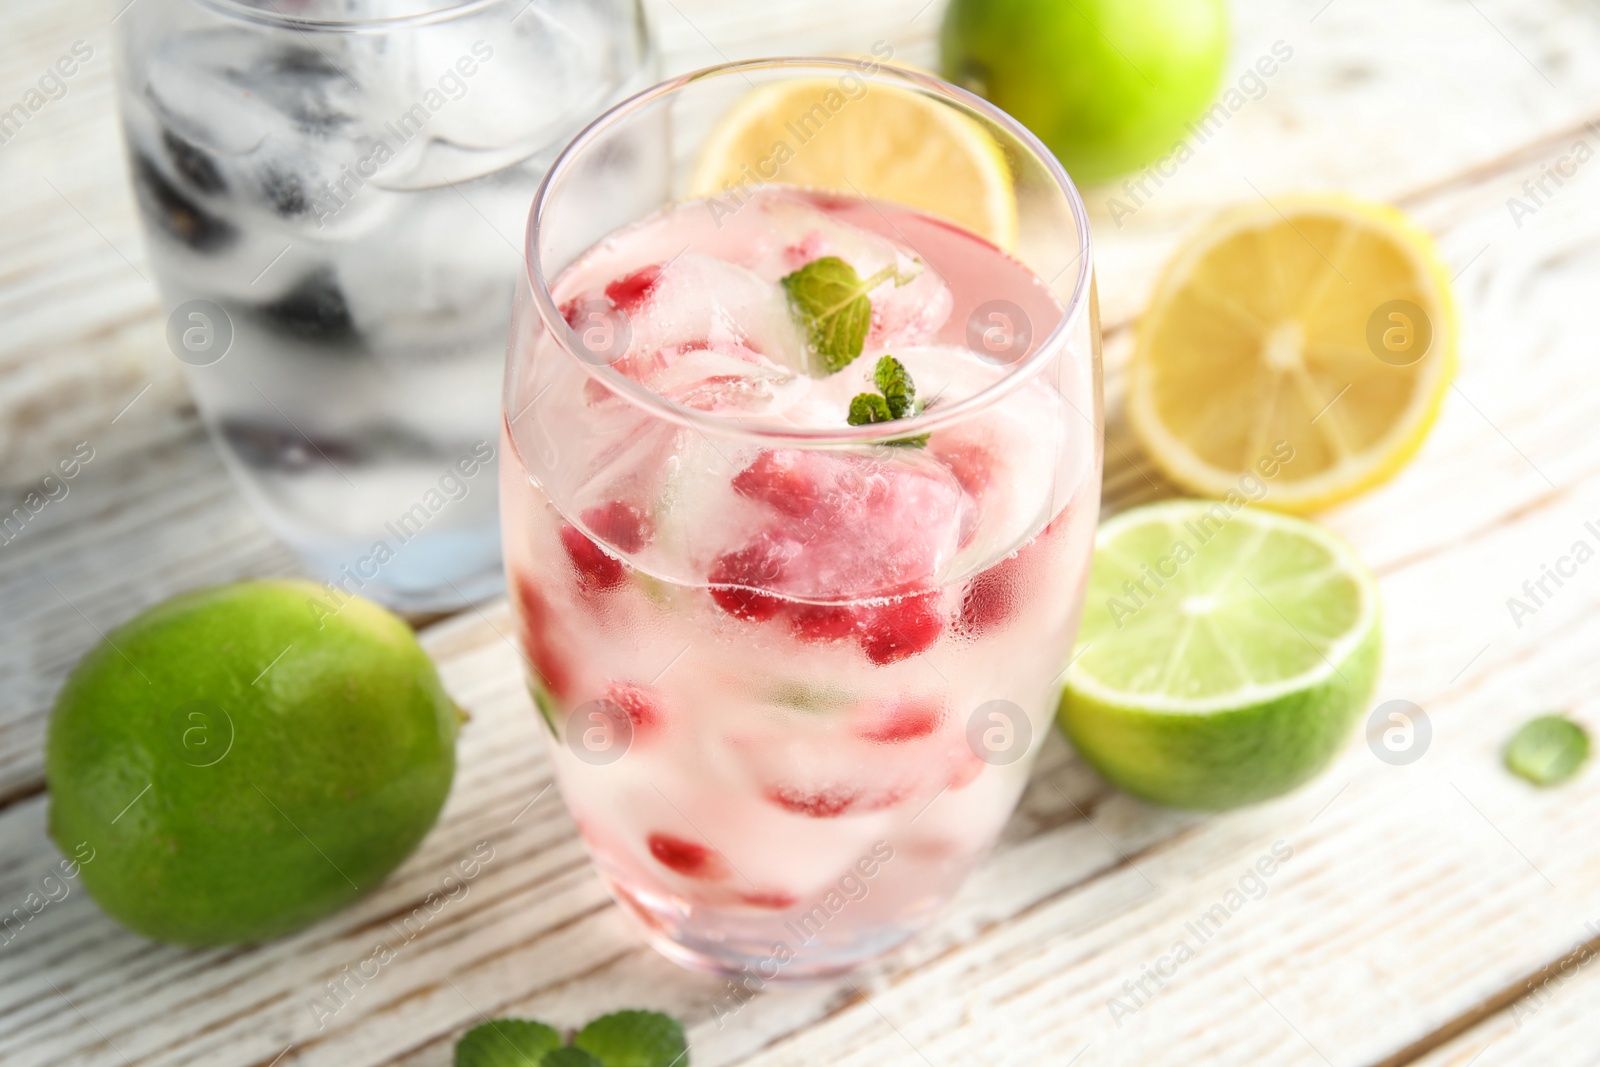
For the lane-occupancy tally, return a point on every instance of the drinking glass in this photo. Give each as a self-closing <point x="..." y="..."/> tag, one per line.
<point x="793" y="672"/>
<point x="333" y="194"/>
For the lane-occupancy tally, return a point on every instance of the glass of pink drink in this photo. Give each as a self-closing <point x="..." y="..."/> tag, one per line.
<point x="793" y="671"/>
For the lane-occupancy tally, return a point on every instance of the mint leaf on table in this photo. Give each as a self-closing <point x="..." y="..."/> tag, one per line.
<point x="1547" y="750"/>
<point x="507" y="1043"/>
<point x="635" y="1039"/>
<point x="569" y="1056"/>
<point x="830" y="300"/>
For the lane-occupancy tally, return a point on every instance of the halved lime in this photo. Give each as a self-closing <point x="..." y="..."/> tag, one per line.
<point x="1224" y="653"/>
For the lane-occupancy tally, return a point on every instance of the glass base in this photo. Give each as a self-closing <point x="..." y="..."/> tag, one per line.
<point x="754" y="952"/>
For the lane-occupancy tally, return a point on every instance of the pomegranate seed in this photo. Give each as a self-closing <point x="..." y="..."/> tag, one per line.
<point x="596" y="569"/>
<point x="621" y="525"/>
<point x="992" y="596"/>
<point x="773" y="900"/>
<point x="902" y="629"/>
<point x="687" y="858"/>
<point x="822" y="622"/>
<point x="552" y="669"/>
<point x="757" y="564"/>
<point x="828" y="803"/>
<point x="785" y="478"/>
<point x="631" y="290"/>
<point x="905" y="721"/>
<point x="643" y="704"/>
<point x="970" y="464"/>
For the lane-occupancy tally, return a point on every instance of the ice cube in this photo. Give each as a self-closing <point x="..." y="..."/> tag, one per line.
<point x="692" y="302"/>
<point x="727" y="378"/>
<point x="278" y="126"/>
<point x="443" y="275"/>
<point x="516" y="77"/>
<point x="856" y="525"/>
<point x="908" y="307"/>
<point x="313" y="310"/>
<point x="176" y="214"/>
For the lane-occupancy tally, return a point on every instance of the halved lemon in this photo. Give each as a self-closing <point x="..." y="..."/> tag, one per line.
<point x="1318" y="328"/>
<point x="873" y="140"/>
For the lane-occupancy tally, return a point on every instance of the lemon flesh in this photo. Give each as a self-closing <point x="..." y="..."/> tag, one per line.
<point x="1320" y="324"/>
<point x="864" y="139"/>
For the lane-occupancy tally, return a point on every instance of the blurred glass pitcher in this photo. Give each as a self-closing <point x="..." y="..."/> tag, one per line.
<point x="334" y="194"/>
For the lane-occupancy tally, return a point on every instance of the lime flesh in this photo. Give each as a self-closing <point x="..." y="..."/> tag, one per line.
<point x="241" y="761"/>
<point x="1224" y="653"/>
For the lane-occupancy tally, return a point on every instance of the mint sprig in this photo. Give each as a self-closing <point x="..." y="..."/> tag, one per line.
<point x="830" y="300"/>
<point x="621" y="1039"/>
<point x="896" y="398"/>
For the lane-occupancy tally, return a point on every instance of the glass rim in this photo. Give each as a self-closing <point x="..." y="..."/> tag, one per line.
<point x="1016" y="374"/>
<point x="446" y="11"/>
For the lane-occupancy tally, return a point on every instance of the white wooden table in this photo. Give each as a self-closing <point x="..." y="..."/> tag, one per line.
<point x="1436" y="913"/>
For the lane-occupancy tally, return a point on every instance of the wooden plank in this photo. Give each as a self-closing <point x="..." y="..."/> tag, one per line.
<point x="1552" y="1023"/>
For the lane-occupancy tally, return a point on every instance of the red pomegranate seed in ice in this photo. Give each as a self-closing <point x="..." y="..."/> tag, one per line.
<point x="969" y="463"/>
<point x="596" y="569"/>
<point x="631" y="290"/>
<point x="736" y="578"/>
<point x="785" y="478"/>
<point x="619" y="524"/>
<point x="688" y="858"/>
<point x="644" y="705"/>
<point x="827" y="803"/>
<point x="992" y="596"/>
<point x="773" y="899"/>
<point x="569" y="311"/>
<point x="903" y="721"/>
<point x="902" y="628"/>
<point x="552" y="669"/>
<point x="822" y="622"/>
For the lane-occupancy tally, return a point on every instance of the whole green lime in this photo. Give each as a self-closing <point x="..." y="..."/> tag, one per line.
<point x="1109" y="85"/>
<point x="240" y="761"/>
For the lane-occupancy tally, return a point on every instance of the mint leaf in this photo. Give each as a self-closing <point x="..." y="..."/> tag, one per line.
<point x="506" y="1043"/>
<point x="895" y="384"/>
<point x="635" y="1039"/>
<point x="546" y="703"/>
<point x="830" y="300"/>
<point x="1547" y="750"/>
<point x="868" y="408"/>
<point x="570" y="1056"/>
<point x="896" y="399"/>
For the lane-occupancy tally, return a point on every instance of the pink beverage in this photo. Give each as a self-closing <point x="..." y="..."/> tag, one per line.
<point x="794" y="671"/>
